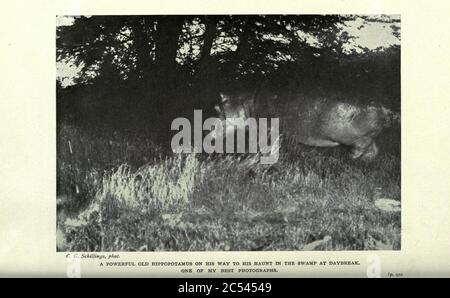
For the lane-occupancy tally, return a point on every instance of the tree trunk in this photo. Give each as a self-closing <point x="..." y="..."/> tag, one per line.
<point x="209" y="36"/>
<point x="243" y="49"/>
<point x="207" y="72"/>
<point x="142" y="45"/>
<point x="166" y="40"/>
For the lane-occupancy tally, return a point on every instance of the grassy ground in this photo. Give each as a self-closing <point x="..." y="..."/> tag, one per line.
<point x="118" y="193"/>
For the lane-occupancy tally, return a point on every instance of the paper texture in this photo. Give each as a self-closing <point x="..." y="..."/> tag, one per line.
<point x="28" y="151"/>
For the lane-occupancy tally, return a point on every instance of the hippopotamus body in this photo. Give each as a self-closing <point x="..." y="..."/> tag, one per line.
<point x="313" y="120"/>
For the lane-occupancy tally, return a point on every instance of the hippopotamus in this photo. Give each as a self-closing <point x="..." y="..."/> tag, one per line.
<point x="313" y="120"/>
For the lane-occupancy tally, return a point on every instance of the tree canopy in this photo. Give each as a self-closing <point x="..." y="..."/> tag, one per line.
<point x="156" y="57"/>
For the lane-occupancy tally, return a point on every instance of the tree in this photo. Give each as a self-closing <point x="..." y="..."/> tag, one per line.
<point x="168" y="29"/>
<point x="164" y="58"/>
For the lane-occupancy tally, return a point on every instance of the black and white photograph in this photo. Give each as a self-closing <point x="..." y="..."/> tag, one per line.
<point x="228" y="133"/>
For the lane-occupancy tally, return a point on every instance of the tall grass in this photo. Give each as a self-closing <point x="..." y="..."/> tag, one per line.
<point x="134" y="197"/>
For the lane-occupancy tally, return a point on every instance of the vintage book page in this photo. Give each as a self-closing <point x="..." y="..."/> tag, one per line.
<point x="224" y="139"/>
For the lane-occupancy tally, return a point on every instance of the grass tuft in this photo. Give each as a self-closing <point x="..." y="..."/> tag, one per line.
<point x="120" y="193"/>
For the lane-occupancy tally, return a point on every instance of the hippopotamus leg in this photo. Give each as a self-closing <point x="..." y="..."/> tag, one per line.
<point x="364" y="146"/>
<point x="371" y="152"/>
